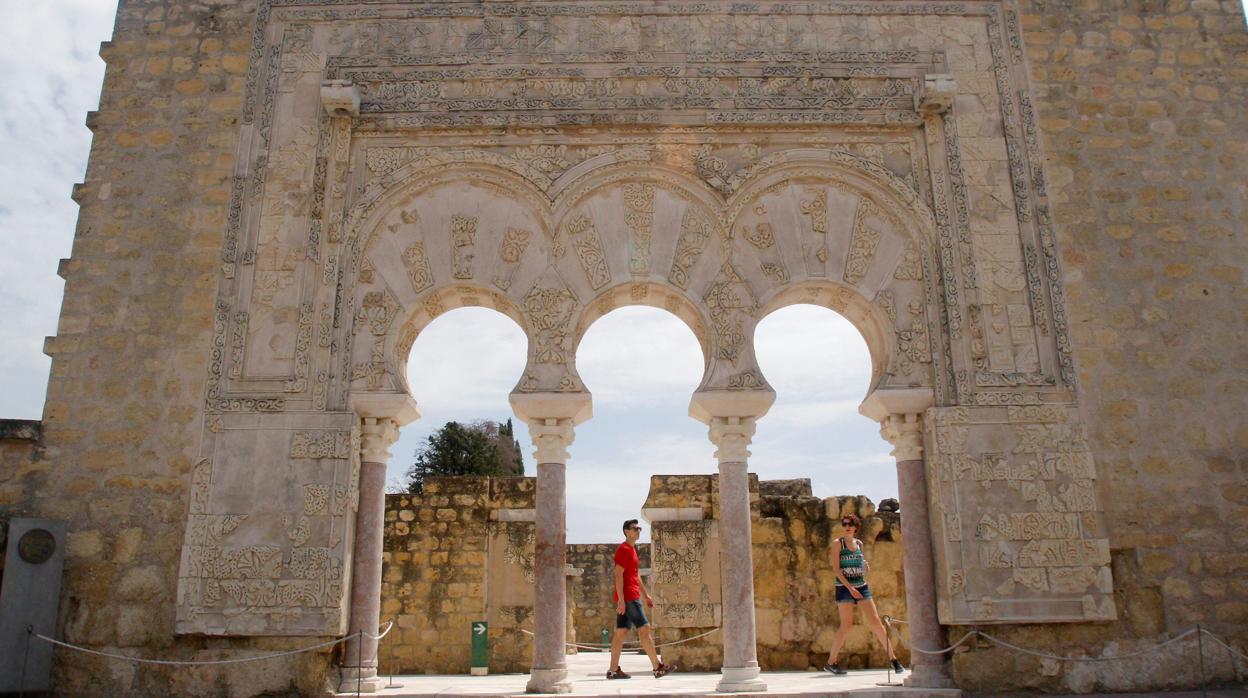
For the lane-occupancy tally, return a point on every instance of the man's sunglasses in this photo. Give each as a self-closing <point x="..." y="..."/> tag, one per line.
<point x="634" y="528"/>
<point x="849" y="524"/>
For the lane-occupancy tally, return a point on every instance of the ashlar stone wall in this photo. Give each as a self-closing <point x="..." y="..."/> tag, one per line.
<point x="1142" y="111"/>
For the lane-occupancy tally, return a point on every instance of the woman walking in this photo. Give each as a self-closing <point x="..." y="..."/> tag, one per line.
<point x="852" y="590"/>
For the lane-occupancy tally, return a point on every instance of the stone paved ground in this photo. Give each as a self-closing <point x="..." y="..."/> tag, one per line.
<point x="587" y="674"/>
<point x="588" y="671"/>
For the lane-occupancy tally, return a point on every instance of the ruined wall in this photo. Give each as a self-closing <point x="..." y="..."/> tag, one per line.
<point x="1138" y="109"/>
<point x="462" y="551"/>
<point x="794" y="585"/>
<point x="590" y="593"/>
<point x="1142" y="111"/>
<point x="19" y="446"/>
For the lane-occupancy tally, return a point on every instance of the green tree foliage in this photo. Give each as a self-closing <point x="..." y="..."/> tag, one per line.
<point x="479" y="448"/>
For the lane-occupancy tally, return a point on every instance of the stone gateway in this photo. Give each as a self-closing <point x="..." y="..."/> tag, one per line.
<point x="1029" y="210"/>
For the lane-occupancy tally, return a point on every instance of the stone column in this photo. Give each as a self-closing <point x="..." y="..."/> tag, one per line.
<point x="740" y="672"/>
<point x="379" y="429"/>
<point x="900" y="414"/>
<point x="552" y="418"/>
<point x="549" y="673"/>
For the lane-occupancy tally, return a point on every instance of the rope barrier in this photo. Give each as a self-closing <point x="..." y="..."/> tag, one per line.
<point x="207" y="662"/>
<point x="630" y="646"/>
<point x="213" y="662"/>
<point x="1230" y="649"/>
<point x="888" y="621"/>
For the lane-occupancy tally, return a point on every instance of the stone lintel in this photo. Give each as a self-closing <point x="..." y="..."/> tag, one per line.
<point x="655" y="515"/>
<point x="508" y="515"/>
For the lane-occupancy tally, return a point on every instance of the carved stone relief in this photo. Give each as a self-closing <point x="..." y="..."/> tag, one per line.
<point x="685" y="574"/>
<point x="1016" y="518"/>
<point x="234" y="578"/>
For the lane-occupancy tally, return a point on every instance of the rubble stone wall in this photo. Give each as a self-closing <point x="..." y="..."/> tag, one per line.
<point x="450" y="561"/>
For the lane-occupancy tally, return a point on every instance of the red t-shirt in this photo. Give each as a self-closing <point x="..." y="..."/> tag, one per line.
<point x="626" y="557"/>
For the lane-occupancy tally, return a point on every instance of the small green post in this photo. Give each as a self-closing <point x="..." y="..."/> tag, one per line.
<point x="480" y="648"/>
<point x="606" y="637"/>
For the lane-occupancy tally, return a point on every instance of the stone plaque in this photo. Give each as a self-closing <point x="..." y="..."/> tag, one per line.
<point x="36" y="546"/>
<point x="685" y="576"/>
<point x="1018" y="528"/>
<point x="29" y="598"/>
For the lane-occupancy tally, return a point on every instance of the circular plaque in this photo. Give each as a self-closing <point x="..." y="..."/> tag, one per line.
<point x="36" y="546"/>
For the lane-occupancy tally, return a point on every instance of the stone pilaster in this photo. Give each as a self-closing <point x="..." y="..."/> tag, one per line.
<point x="380" y="419"/>
<point x="900" y="414"/>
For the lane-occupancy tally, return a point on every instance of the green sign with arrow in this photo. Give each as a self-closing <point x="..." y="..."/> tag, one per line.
<point x="480" y="648"/>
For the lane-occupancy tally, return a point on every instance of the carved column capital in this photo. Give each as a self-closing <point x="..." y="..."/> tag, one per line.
<point x="731" y="436"/>
<point x="377" y="435"/>
<point x="905" y="432"/>
<point x="551" y="438"/>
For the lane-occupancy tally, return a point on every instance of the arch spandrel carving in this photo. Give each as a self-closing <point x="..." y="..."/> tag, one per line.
<point x="468" y="233"/>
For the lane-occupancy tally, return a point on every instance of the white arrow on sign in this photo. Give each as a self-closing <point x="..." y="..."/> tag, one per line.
<point x="478" y="628"/>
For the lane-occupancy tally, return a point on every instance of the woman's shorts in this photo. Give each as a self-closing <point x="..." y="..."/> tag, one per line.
<point x="632" y="617"/>
<point x="843" y="595"/>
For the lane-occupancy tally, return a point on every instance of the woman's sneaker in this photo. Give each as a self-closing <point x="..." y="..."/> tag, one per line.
<point x="834" y="668"/>
<point x="664" y="670"/>
<point x="618" y="673"/>
<point x="898" y="668"/>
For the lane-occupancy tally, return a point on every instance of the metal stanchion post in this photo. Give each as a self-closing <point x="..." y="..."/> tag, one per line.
<point x="21" y="687"/>
<point x="888" y="653"/>
<point x="390" y="684"/>
<point x="359" y="662"/>
<point x="1200" y="649"/>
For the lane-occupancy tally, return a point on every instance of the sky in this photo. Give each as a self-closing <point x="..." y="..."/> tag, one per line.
<point x="641" y="364"/>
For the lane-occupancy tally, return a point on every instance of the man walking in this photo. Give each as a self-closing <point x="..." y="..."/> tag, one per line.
<point x="628" y="611"/>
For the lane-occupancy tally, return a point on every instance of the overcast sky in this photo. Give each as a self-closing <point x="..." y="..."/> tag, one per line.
<point x="641" y="364"/>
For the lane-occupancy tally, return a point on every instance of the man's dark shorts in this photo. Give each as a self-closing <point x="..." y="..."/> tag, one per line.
<point x="632" y="617"/>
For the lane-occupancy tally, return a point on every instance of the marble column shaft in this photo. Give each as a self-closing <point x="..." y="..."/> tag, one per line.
<point x="360" y="655"/>
<point x="740" y="671"/>
<point x="549" y="673"/>
<point x="904" y="431"/>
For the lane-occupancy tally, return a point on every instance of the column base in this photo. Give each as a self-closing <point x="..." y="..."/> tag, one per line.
<point x="740" y="680"/>
<point x="929" y="676"/>
<point x="364" y="679"/>
<point x="548" y="681"/>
